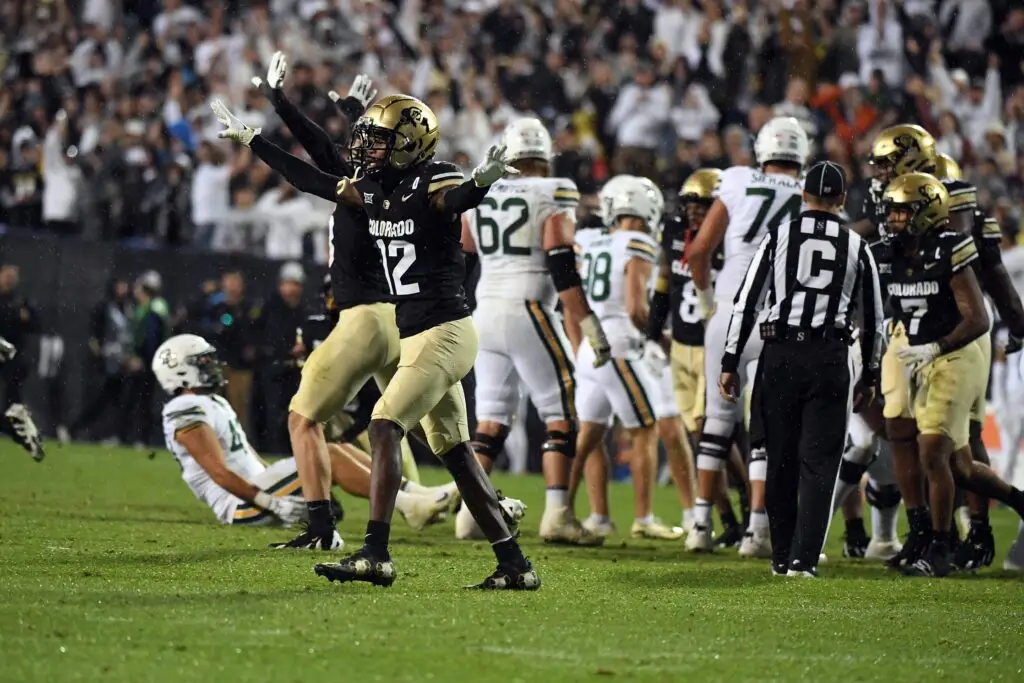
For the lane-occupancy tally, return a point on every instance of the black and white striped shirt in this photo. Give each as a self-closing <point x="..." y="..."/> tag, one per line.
<point x="816" y="274"/>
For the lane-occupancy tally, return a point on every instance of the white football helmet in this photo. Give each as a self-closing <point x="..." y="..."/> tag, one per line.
<point x="187" y="361"/>
<point x="658" y="199"/>
<point x="612" y="187"/>
<point x="634" y="201"/>
<point x="782" y="139"/>
<point x="527" y="139"/>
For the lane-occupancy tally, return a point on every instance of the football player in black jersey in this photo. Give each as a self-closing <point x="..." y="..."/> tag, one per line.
<point x="675" y="298"/>
<point x="938" y="313"/>
<point x="413" y="207"/>
<point x="365" y="342"/>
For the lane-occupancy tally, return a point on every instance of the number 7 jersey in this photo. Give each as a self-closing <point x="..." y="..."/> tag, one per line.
<point x="756" y="201"/>
<point x="508" y="228"/>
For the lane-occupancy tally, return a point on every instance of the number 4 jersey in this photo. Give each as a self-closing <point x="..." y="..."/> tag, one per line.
<point x="190" y="410"/>
<point x="756" y="201"/>
<point x="508" y="228"/>
<point x="686" y="323"/>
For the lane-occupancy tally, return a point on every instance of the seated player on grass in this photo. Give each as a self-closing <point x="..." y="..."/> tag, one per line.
<point x="223" y="470"/>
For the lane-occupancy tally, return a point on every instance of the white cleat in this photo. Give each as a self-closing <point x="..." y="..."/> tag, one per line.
<point x="882" y="550"/>
<point x="559" y="525"/>
<point x="599" y="527"/>
<point x="423" y="511"/>
<point x="656" y="531"/>
<point x="699" y="540"/>
<point x="755" y="545"/>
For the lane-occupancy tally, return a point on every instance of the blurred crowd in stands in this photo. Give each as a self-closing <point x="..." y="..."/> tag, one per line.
<point x="106" y="132"/>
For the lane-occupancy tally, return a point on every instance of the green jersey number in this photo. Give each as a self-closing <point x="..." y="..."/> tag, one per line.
<point x="789" y="211"/>
<point x="597" y="270"/>
<point x="234" y="427"/>
<point x="494" y="236"/>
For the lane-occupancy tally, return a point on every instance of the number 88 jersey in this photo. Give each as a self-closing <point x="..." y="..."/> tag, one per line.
<point x="508" y="228"/>
<point x="602" y="261"/>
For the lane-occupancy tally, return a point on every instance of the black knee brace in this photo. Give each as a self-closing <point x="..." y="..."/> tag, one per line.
<point x="491" y="446"/>
<point x="886" y="496"/>
<point x="851" y="472"/>
<point x="560" y="442"/>
<point x="978" y="451"/>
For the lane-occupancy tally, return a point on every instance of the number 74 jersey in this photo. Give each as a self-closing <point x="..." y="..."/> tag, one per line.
<point x="508" y="228"/>
<point x="756" y="202"/>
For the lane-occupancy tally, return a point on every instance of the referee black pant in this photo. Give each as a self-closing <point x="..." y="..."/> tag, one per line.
<point x="804" y="406"/>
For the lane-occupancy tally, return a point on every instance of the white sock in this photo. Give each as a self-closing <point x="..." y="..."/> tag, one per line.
<point x="883" y="523"/>
<point x="702" y="513"/>
<point x="688" y="517"/>
<point x="412" y="487"/>
<point x="556" y="499"/>
<point x="599" y="519"/>
<point x="758" y="522"/>
<point x="649" y="519"/>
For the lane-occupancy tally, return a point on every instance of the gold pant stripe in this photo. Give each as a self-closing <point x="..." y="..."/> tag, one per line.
<point x="563" y="366"/>
<point x="250" y="515"/>
<point x="637" y="396"/>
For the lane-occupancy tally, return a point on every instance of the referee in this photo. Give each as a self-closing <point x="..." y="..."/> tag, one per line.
<point x="818" y="276"/>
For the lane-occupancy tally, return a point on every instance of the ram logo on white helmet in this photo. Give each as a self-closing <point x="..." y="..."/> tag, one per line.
<point x="187" y="361"/>
<point x="527" y="139"/>
<point x="634" y="201"/>
<point x="782" y="139"/>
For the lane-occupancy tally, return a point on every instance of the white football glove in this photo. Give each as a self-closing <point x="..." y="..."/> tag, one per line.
<point x="592" y="330"/>
<point x="493" y="168"/>
<point x="706" y="299"/>
<point x="7" y="350"/>
<point x="289" y="509"/>
<point x="236" y="130"/>
<point x="277" y="71"/>
<point x="916" y="356"/>
<point x="362" y="89"/>
<point x="654" y="358"/>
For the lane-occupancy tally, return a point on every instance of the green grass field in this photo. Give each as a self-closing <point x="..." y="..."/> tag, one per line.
<point x="111" y="571"/>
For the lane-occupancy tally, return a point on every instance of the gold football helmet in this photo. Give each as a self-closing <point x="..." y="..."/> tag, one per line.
<point x="946" y="168"/>
<point x="396" y="132"/>
<point x="701" y="185"/>
<point x="904" y="148"/>
<point x="923" y="196"/>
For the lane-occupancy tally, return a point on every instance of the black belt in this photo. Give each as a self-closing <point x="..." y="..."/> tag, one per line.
<point x="774" y="332"/>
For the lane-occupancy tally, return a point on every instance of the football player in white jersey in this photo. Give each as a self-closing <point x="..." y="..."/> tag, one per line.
<point x="523" y="233"/>
<point x="617" y="270"/>
<point x="223" y="470"/>
<point x="748" y="201"/>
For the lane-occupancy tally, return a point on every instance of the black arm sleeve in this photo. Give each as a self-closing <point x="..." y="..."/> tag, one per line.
<point x="464" y="197"/>
<point x="351" y="108"/>
<point x="661" y="305"/>
<point x="314" y="139"/>
<point x="472" y="261"/>
<point x="304" y="177"/>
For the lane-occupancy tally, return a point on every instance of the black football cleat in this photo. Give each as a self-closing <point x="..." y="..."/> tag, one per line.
<point x="509" y="577"/>
<point x="731" y="536"/>
<point x="361" y="566"/>
<point x="24" y="431"/>
<point x="337" y="511"/>
<point x="977" y="550"/>
<point x="913" y="548"/>
<point x="934" y="563"/>
<point x="855" y="546"/>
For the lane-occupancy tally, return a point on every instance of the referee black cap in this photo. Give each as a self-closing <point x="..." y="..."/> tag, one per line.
<point x="826" y="180"/>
